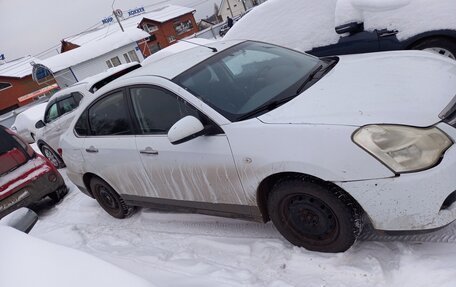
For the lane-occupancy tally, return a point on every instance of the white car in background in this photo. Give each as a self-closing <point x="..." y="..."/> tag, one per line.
<point x="24" y="123"/>
<point x="58" y="112"/>
<point x="257" y="131"/>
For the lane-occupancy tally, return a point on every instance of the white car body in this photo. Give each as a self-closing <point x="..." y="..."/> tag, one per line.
<point x="50" y="133"/>
<point x="310" y="135"/>
<point x="24" y="124"/>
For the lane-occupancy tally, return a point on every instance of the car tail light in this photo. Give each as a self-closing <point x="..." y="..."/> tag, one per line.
<point x="60" y="151"/>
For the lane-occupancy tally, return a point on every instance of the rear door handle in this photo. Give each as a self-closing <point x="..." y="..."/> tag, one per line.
<point x="149" y="150"/>
<point x="92" y="149"/>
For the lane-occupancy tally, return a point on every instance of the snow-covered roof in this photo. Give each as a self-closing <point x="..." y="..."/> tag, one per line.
<point x="161" y="15"/>
<point x="94" y="49"/>
<point x="18" y="68"/>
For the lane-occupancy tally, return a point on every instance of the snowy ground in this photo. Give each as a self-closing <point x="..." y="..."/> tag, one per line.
<point x="195" y="250"/>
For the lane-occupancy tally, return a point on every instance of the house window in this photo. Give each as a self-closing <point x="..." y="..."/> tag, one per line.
<point x="182" y="27"/>
<point x="171" y="39"/>
<point x="133" y="56"/>
<point x="4" y="86"/>
<point x="150" y="28"/>
<point x="114" y="62"/>
<point x="127" y="58"/>
<point x="154" y="48"/>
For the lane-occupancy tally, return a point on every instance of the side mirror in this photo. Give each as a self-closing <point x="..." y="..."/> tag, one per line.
<point x="351" y="28"/>
<point x="185" y="129"/>
<point x="22" y="219"/>
<point x="39" y="124"/>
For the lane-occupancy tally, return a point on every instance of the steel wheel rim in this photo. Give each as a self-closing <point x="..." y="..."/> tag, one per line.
<point x="107" y="198"/>
<point x="51" y="157"/>
<point x="441" y="51"/>
<point x="309" y="218"/>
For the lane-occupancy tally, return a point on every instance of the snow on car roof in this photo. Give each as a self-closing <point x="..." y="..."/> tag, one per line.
<point x="266" y="22"/>
<point x="175" y="48"/>
<point x="94" y="49"/>
<point x="169" y="67"/>
<point x="409" y="17"/>
<point x="161" y="14"/>
<point x="18" y="68"/>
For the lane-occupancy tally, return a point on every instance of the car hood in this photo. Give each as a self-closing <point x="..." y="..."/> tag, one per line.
<point x="404" y="87"/>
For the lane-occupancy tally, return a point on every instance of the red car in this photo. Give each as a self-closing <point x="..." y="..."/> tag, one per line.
<point x="25" y="176"/>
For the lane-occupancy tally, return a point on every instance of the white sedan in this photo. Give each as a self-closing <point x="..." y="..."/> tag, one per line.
<point x="252" y="130"/>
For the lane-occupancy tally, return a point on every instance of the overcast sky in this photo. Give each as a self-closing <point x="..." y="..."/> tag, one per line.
<point x="28" y="27"/>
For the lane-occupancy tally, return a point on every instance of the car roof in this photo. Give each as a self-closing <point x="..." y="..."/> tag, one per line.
<point x="87" y="84"/>
<point x="175" y="64"/>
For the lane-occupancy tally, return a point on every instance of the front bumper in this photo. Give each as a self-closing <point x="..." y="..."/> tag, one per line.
<point x="410" y="201"/>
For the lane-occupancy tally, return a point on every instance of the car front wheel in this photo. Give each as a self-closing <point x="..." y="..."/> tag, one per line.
<point x="314" y="216"/>
<point x="441" y="46"/>
<point x="109" y="200"/>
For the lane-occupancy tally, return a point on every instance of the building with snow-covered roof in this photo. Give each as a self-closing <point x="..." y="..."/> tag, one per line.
<point x="165" y="26"/>
<point x="92" y="58"/>
<point x="17" y="87"/>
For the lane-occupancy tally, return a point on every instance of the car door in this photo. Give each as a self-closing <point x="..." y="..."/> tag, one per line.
<point x="361" y="42"/>
<point x="109" y="149"/>
<point x="50" y="130"/>
<point x="66" y="106"/>
<point x="199" y="170"/>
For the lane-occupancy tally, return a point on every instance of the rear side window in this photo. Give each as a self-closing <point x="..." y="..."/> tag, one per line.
<point x="12" y="152"/>
<point x="109" y="116"/>
<point x="67" y="105"/>
<point x="82" y="127"/>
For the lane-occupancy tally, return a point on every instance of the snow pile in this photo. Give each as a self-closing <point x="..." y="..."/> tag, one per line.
<point x="297" y="24"/>
<point x="409" y="17"/>
<point x="27" y="261"/>
<point x="175" y="48"/>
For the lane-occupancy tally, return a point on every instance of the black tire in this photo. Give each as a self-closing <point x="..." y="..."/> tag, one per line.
<point x="52" y="156"/>
<point x="58" y="195"/>
<point x="444" y="44"/>
<point x="109" y="200"/>
<point x="314" y="216"/>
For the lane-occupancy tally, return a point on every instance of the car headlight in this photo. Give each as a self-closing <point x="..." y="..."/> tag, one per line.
<point x="403" y="148"/>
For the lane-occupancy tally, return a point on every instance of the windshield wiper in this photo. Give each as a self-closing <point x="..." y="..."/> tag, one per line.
<point x="310" y="78"/>
<point x="266" y="107"/>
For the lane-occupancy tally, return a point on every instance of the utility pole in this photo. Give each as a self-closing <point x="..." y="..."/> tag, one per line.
<point x="118" y="13"/>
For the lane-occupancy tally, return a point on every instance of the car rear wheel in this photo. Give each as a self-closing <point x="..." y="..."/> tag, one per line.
<point x="314" y="216"/>
<point x="52" y="156"/>
<point x="109" y="200"/>
<point x="441" y="46"/>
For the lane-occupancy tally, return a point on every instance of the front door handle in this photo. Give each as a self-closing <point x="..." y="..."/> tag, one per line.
<point x="92" y="149"/>
<point x="387" y="33"/>
<point x="149" y="150"/>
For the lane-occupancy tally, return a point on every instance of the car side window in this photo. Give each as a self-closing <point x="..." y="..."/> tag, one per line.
<point x="77" y="97"/>
<point x="67" y="105"/>
<point x="109" y="116"/>
<point x="158" y="110"/>
<point x="51" y="113"/>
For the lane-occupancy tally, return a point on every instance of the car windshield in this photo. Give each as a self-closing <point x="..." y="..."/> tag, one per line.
<point x="238" y="81"/>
